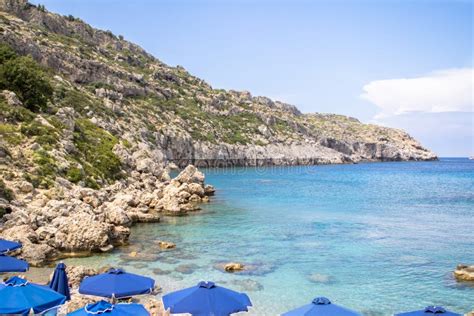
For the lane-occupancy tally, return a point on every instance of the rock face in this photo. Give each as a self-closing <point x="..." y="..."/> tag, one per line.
<point x="464" y="273"/>
<point x="166" y="114"/>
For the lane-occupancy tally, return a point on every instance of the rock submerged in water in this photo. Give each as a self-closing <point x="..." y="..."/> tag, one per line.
<point x="245" y="269"/>
<point x="234" y="267"/>
<point x="464" y="273"/>
<point x="320" y="278"/>
<point x="248" y="285"/>
<point x="165" y="245"/>
<point x="188" y="268"/>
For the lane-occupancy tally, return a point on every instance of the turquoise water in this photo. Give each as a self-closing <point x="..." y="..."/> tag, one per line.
<point x="378" y="238"/>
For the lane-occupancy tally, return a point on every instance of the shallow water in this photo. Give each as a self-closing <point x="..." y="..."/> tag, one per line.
<point x="378" y="238"/>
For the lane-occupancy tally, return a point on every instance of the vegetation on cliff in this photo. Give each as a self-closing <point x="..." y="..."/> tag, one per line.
<point x="88" y="106"/>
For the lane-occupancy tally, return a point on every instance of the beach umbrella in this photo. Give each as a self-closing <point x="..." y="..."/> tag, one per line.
<point x="430" y="311"/>
<point x="7" y="245"/>
<point x="206" y="298"/>
<point x="59" y="282"/>
<point x="12" y="264"/>
<point x="117" y="283"/>
<point x="106" y="309"/>
<point x="18" y="296"/>
<point x="321" y="306"/>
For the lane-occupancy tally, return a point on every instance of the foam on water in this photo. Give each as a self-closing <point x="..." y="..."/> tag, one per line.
<point x="379" y="238"/>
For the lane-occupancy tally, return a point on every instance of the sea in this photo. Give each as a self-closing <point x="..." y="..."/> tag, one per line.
<point x="378" y="238"/>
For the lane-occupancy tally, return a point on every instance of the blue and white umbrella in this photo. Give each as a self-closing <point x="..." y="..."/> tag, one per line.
<point x="12" y="264"/>
<point x="206" y="298"/>
<point x="117" y="283"/>
<point x="430" y="311"/>
<point x="106" y="309"/>
<point x="7" y="245"/>
<point x="321" y="306"/>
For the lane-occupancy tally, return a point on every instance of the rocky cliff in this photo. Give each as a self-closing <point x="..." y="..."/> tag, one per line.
<point x="125" y="91"/>
<point x="90" y="125"/>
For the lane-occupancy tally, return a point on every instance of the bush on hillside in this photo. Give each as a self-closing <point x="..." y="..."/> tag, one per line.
<point x="26" y="78"/>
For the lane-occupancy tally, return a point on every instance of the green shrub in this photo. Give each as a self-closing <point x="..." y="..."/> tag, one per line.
<point x="45" y="135"/>
<point x="10" y="134"/>
<point x="74" y="174"/>
<point x="28" y="80"/>
<point x="6" y="53"/>
<point x="95" y="147"/>
<point x="13" y="114"/>
<point x="5" y="192"/>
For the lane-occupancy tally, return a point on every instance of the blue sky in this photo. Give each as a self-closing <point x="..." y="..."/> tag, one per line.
<point x="379" y="61"/>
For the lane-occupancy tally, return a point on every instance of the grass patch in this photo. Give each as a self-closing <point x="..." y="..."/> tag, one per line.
<point x="10" y="133"/>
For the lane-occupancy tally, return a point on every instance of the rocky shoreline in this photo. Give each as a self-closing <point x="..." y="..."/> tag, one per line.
<point x="69" y="220"/>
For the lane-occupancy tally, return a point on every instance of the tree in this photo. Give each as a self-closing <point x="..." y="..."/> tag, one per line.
<point x="28" y="80"/>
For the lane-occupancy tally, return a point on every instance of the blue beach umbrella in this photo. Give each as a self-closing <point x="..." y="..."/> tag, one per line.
<point x="321" y="306"/>
<point x="7" y="245"/>
<point x="430" y="311"/>
<point x="206" y="298"/>
<point x="59" y="282"/>
<point x="18" y="296"/>
<point x="116" y="283"/>
<point x="107" y="309"/>
<point x="11" y="264"/>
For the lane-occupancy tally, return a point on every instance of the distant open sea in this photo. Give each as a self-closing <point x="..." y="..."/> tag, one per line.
<point x="376" y="237"/>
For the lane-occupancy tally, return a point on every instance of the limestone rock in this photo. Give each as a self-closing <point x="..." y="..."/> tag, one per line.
<point x="209" y="190"/>
<point x="11" y="98"/>
<point x="320" y="278"/>
<point x="190" y="175"/>
<point x="165" y="244"/>
<point x="26" y="187"/>
<point x="234" y="267"/>
<point x="464" y="273"/>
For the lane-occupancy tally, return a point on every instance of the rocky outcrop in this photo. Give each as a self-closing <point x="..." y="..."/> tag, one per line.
<point x="166" y="244"/>
<point x="82" y="220"/>
<point x="233" y="267"/>
<point x="464" y="273"/>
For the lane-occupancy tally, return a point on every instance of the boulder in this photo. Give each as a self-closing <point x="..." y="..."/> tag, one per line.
<point x="166" y="244"/>
<point x="82" y="232"/>
<point x="209" y="190"/>
<point x="140" y="217"/>
<point x="11" y="98"/>
<point x="25" y="187"/>
<point x="76" y="274"/>
<point x="320" y="278"/>
<point x="32" y="251"/>
<point x="117" y="216"/>
<point x="464" y="273"/>
<point x="195" y="188"/>
<point x="234" y="267"/>
<point x="190" y="174"/>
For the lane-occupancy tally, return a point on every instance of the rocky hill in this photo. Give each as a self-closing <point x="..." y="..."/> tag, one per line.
<point x="90" y="125"/>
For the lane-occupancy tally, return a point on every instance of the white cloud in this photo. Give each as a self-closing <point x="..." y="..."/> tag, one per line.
<point x="449" y="90"/>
